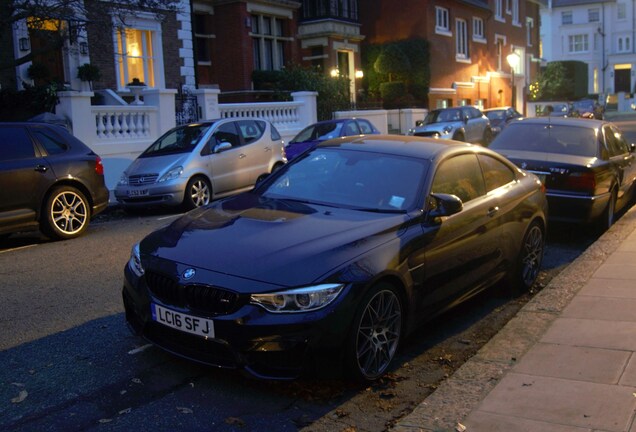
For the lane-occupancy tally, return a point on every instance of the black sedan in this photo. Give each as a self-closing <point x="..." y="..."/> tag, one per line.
<point x="48" y="180"/>
<point x="333" y="259"/>
<point x="587" y="166"/>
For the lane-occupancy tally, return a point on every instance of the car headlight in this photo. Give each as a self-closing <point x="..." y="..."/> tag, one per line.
<point x="495" y="129"/>
<point x="123" y="180"/>
<point x="447" y="129"/>
<point x="174" y="173"/>
<point x="135" y="261"/>
<point x="298" y="300"/>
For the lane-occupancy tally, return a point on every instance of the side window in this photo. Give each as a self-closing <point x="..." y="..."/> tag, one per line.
<point x="275" y="135"/>
<point x="249" y="130"/>
<point x="613" y="145"/>
<point x="15" y="143"/>
<point x="227" y="133"/>
<point x="365" y="127"/>
<point x="460" y="176"/>
<point x="620" y="140"/>
<point x="496" y="173"/>
<point x="352" y="129"/>
<point x="52" y="142"/>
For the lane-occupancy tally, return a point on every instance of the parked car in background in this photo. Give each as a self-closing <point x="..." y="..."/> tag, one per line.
<point x="333" y="259"/>
<point x="565" y="109"/>
<point x="586" y="165"/>
<point x="499" y="117"/>
<point x="48" y="180"/>
<point x="589" y="108"/>
<point x="325" y="130"/>
<point x="191" y="165"/>
<point x="460" y="124"/>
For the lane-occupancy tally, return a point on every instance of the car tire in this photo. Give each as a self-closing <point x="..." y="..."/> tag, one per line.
<point x="487" y="138"/>
<point x="608" y="217"/>
<point x="66" y="213"/>
<point x="375" y="334"/>
<point x="458" y="136"/>
<point x="528" y="264"/>
<point x="198" y="192"/>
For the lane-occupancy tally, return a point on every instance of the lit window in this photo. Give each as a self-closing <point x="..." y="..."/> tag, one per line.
<point x="268" y="42"/>
<point x="441" y="20"/>
<point x="134" y="56"/>
<point x="578" y="43"/>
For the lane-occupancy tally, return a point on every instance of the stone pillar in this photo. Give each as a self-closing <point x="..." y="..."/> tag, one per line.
<point x="308" y="111"/>
<point x="208" y="100"/>
<point x="76" y="107"/>
<point x="164" y="100"/>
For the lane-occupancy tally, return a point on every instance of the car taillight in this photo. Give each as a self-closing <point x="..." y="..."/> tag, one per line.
<point x="581" y="182"/>
<point x="99" y="167"/>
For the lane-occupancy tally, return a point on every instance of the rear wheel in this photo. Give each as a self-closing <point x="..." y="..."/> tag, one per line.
<point x="66" y="213"/>
<point x="528" y="264"/>
<point x="458" y="136"/>
<point x="375" y="334"/>
<point x="198" y="193"/>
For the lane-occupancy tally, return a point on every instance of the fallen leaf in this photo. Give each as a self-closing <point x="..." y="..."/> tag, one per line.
<point x="137" y="381"/>
<point x="234" y="421"/>
<point x="184" y="410"/>
<point x="21" y="397"/>
<point x="125" y="411"/>
<point x="460" y="427"/>
<point x="105" y="420"/>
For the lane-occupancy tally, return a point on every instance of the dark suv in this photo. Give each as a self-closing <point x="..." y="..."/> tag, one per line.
<point x="48" y="180"/>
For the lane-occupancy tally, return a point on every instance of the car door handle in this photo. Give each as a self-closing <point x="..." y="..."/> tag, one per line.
<point x="242" y="156"/>
<point x="268" y="149"/>
<point x="493" y="211"/>
<point x="40" y="168"/>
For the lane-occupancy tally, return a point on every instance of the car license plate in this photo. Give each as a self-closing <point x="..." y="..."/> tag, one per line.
<point x="180" y="321"/>
<point x="137" y="192"/>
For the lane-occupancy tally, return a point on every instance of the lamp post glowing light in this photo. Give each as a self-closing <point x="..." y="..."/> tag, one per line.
<point x="513" y="60"/>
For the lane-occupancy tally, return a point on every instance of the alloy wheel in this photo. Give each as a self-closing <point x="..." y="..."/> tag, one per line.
<point x="378" y="334"/>
<point x="532" y="255"/>
<point x="68" y="212"/>
<point x="200" y="193"/>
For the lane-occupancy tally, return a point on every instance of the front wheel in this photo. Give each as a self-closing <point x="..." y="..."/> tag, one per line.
<point x="487" y="138"/>
<point x="528" y="264"/>
<point x="197" y="193"/>
<point x="66" y="213"/>
<point x="375" y="334"/>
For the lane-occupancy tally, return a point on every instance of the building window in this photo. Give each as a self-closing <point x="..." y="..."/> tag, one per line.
<point x="341" y="9"/>
<point x="268" y="42"/>
<point x="441" y="20"/>
<point x="462" y="39"/>
<point x="134" y="54"/>
<point x="500" y="42"/>
<point x="515" y="12"/>
<point x="529" y="30"/>
<point x="622" y="13"/>
<point x="593" y="15"/>
<point x="499" y="10"/>
<point x="624" y="44"/>
<point x="478" y="29"/>
<point x="578" y="43"/>
<point x="566" y="17"/>
<point x="202" y="35"/>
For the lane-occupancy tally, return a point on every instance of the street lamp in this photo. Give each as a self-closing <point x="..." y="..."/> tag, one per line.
<point x="513" y="60"/>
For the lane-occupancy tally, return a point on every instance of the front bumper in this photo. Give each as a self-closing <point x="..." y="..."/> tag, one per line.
<point x="267" y="345"/>
<point x="168" y="193"/>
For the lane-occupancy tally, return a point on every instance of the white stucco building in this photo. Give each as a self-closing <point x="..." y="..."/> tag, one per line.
<point x="599" y="33"/>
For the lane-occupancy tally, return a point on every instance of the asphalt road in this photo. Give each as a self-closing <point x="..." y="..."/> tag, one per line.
<point x="68" y="361"/>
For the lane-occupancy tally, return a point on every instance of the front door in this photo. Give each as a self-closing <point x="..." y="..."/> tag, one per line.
<point x="47" y="57"/>
<point x="622" y="78"/>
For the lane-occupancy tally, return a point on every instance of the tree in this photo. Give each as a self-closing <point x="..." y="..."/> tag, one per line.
<point x="57" y="21"/>
<point x="554" y="83"/>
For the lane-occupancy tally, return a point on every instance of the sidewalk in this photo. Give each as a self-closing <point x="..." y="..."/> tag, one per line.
<point x="565" y="363"/>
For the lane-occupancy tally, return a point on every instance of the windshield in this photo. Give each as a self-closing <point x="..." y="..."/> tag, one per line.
<point x="442" y="116"/>
<point x="351" y="179"/>
<point x="557" y="139"/>
<point x="584" y="105"/>
<point x="319" y="132"/>
<point x="496" y="115"/>
<point x="179" y="140"/>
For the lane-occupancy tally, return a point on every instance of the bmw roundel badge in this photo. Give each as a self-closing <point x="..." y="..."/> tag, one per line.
<point x="189" y="273"/>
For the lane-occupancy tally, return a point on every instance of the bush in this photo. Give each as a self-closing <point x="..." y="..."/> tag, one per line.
<point x="22" y="105"/>
<point x="395" y="95"/>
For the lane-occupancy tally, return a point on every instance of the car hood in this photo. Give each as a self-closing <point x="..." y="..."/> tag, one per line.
<point x="434" y="127"/>
<point x="156" y="164"/>
<point x="274" y="241"/>
<point x="540" y="161"/>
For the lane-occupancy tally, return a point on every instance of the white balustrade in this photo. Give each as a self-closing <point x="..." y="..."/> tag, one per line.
<point x="113" y="123"/>
<point x="284" y="115"/>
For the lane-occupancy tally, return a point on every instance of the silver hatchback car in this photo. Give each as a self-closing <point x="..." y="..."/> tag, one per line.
<point x="192" y="164"/>
<point x="464" y="123"/>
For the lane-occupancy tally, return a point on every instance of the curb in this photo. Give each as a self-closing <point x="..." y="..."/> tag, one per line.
<point x="460" y="394"/>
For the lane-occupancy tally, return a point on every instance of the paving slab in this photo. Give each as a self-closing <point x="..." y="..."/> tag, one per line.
<point x="489" y="422"/>
<point x="601" y="308"/>
<point x="576" y="363"/>
<point x="610" y="288"/>
<point x="618" y="335"/>
<point x="565" y="402"/>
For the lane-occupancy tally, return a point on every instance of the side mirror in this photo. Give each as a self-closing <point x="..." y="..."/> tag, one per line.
<point x="419" y="123"/>
<point x="222" y="146"/>
<point x="445" y="205"/>
<point x="466" y="118"/>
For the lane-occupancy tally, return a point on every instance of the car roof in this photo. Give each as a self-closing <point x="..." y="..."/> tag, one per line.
<point x="401" y="145"/>
<point x="559" y="121"/>
<point x="503" y="108"/>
